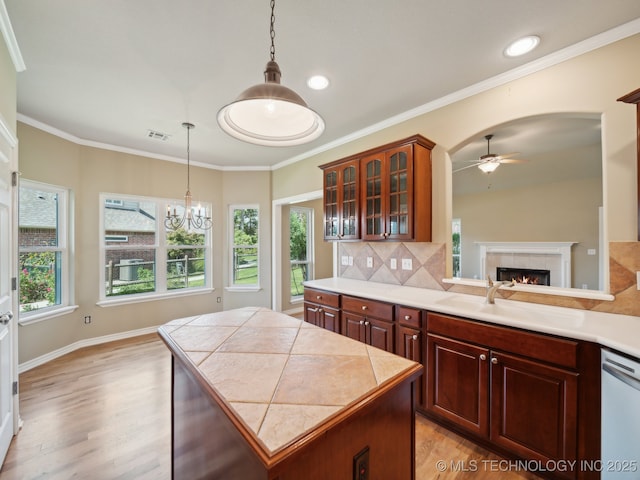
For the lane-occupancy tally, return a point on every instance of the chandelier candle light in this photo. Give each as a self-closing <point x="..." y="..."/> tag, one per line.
<point x="269" y="113"/>
<point x="190" y="218"/>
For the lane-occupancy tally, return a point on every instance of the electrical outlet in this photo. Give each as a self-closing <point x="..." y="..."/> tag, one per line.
<point x="344" y="260"/>
<point x="361" y="465"/>
<point x="369" y="262"/>
<point x="407" y="264"/>
<point x="350" y="261"/>
<point x="393" y="263"/>
<point x="591" y="251"/>
<point x="219" y="300"/>
<point x="87" y="319"/>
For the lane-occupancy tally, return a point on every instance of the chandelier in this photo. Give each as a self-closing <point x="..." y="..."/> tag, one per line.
<point x="269" y="113"/>
<point x="194" y="218"/>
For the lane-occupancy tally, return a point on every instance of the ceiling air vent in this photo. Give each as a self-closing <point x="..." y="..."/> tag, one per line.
<point x="157" y="135"/>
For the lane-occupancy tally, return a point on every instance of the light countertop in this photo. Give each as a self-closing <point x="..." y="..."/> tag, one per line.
<point x="280" y="376"/>
<point x="619" y="332"/>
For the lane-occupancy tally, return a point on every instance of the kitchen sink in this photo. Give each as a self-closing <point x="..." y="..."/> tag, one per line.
<point x="514" y="311"/>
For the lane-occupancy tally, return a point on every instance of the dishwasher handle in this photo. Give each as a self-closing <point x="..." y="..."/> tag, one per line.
<point x="622" y="376"/>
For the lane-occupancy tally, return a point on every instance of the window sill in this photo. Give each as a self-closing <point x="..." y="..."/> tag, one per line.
<point x="28" y="319"/>
<point x="255" y="288"/>
<point x="129" y="299"/>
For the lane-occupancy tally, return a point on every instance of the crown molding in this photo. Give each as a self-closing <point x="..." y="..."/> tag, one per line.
<point x="10" y="39"/>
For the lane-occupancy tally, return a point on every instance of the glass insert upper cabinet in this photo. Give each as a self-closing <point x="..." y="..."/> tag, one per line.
<point x="396" y="191"/>
<point x="341" y="200"/>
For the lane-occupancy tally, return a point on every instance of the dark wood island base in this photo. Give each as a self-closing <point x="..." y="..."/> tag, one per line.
<point x="216" y="436"/>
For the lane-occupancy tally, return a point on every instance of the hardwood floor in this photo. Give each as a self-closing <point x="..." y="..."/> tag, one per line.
<point x="103" y="412"/>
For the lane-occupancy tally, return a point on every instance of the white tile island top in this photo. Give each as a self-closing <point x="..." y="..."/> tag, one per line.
<point x="281" y="377"/>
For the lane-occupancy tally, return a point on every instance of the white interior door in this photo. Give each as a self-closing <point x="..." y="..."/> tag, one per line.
<point x="8" y="295"/>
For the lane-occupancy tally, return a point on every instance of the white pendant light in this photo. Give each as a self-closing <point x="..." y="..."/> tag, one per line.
<point x="269" y="113"/>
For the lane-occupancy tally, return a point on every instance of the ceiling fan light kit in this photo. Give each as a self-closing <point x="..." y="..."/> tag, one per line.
<point x="271" y="114"/>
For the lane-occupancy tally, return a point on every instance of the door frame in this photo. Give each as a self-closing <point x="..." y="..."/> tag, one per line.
<point x="9" y="154"/>
<point x="277" y="242"/>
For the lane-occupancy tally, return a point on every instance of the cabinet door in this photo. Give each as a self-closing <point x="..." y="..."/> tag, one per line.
<point x="374" y="197"/>
<point x="353" y="326"/>
<point x="349" y="201"/>
<point x="457" y="383"/>
<point x="329" y="319"/>
<point x="409" y="345"/>
<point x="399" y="178"/>
<point x="331" y="205"/>
<point x="534" y="408"/>
<point x="311" y="313"/>
<point x="379" y="334"/>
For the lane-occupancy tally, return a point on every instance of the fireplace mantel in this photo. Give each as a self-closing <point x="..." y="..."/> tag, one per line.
<point x="521" y="254"/>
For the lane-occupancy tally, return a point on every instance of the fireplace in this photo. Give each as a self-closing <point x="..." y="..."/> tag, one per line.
<point x="531" y="276"/>
<point x="552" y="256"/>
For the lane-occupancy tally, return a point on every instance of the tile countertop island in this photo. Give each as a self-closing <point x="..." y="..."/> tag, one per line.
<point x="619" y="332"/>
<point x="261" y="395"/>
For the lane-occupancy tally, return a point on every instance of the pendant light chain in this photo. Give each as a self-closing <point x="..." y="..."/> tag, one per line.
<point x="272" y="31"/>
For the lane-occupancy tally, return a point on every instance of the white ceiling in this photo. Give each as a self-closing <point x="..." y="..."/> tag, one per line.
<point x="106" y="72"/>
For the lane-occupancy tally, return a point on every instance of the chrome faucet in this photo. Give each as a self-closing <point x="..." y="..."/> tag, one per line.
<point x="492" y="288"/>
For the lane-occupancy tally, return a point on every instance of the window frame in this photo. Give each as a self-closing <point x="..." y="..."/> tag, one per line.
<point x="238" y="287"/>
<point x="160" y="247"/>
<point x="64" y="231"/>
<point x="310" y="262"/>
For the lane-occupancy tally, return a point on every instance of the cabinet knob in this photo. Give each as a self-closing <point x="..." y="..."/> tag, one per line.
<point x="318" y="297"/>
<point x="414" y="337"/>
<point x="407" y="317"/>
<point x="319" y="310"/>
<point x="483" y="357"/>
<point x="494" y="360"/>
<point x="361" y="322"/>
<point x="364" y="307"/>
<point x="366" y="323"/>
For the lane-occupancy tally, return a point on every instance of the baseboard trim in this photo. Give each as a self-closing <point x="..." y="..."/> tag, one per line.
<point x="88" y="342"/>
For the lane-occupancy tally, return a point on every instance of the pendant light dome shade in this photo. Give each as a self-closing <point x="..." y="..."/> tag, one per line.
<point x="271" y="114"/>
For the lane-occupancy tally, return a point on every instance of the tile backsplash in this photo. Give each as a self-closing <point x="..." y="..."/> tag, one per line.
<point x="424" y="267"/>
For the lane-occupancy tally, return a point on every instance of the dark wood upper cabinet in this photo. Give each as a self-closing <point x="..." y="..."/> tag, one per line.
<point x="341" y="200"/>
<point x="634" y="97"/>
<point x="380" y="194"/>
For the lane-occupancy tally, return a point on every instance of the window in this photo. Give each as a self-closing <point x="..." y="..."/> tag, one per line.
<point x="300" y="248"/>
<point x="43" y="248"/>
<point x="456" y="229"/>
<point x="142" y="258"/>
<point x="245" y="271"/>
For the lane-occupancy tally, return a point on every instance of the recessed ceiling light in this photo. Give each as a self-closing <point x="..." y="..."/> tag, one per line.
<point x="522" y="46"/>
<point x="318" y="82"/>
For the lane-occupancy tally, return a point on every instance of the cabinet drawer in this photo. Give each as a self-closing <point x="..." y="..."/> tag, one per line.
<point x="548" y="349"/>
<point x="322" y="297"/>
<point x="411" y="317"/>
<point x="362" y="306"/>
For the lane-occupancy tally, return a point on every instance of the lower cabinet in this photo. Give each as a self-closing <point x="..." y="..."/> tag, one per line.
<point x="322" y="309"/>
<point x="369" y="321"/>
<point x="534" y="408"/>
<point x="458" y="383"/>
<point x="409" y="344"/>
<point x="517" y="390"/>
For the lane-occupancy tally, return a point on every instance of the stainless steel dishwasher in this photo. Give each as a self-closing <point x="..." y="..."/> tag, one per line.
<point x="620" y="417"/>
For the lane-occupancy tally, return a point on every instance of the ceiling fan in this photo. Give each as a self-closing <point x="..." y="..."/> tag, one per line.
<point x="489" y="162"/>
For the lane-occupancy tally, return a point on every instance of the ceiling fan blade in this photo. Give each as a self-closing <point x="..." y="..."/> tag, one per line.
<point x="507" y="155"/>
<point x="464" y="168"/>
<point x="512" y="160"/>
